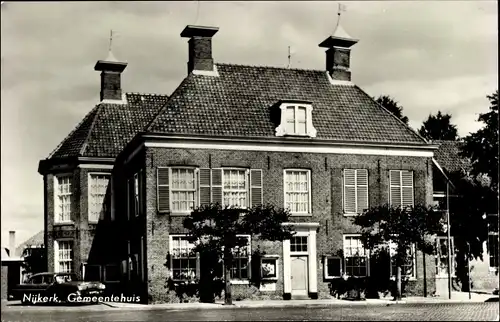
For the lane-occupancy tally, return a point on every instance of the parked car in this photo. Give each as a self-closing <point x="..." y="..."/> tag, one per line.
<point x="56" y="288"/>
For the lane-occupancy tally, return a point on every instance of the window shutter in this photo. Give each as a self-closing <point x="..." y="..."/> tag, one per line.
<point x="407" y="188"/>
<point x="204" y="177"/>
<point x="163" y="193"/>
<point x="255" y="187"/>
<point x="362" y="190"/>
<point x="395" y="188"/>
<point x="349" y="191"/>
<point x="217" y="186"/>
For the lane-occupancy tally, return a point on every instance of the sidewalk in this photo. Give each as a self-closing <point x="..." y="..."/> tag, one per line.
<point x="457" y="297"/>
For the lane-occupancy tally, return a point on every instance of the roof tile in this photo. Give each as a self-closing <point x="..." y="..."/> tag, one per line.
<point x="239" y="102"/>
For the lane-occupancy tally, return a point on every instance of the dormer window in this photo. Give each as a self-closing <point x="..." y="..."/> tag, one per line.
<point x="296" y="120"/>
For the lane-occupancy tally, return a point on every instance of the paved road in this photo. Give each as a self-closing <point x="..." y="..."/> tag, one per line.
<point x="400" y="312"/>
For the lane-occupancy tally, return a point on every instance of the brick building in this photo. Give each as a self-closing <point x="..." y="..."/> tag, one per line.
<point x="119" y="186"/>
<point x="484" y="272"/>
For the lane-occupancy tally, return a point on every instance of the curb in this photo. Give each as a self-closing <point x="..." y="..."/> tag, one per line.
<point x="284" y="304"/>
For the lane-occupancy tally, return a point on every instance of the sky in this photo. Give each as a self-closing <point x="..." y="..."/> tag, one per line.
<point x="429" y="56"/>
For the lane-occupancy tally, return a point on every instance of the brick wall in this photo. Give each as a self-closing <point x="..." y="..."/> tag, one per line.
<point x="326" y="179"/>
<point x="80" y="231"/>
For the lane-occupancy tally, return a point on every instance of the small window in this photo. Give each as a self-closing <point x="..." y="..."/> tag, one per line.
<point x="333" y="267"/>
<point x="296" y="119"/>
<point x="269" y="267"/>
<point x="298" y="244"/>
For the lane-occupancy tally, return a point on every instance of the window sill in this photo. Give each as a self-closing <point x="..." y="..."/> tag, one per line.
<point x="64" y="222"/>
<point x="332" y="277"/>
<point x="240" y="282"/>
<point x="350" y="214"/>
<point x="269" y="279"/>
<point x="300" y="214"/>
<point x="179" y="213"/>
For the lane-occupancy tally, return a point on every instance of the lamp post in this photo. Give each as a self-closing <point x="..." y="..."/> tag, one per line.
<point x="468" y="268"/>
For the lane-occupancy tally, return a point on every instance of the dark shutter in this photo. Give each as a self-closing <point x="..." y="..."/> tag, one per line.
<point x="255" y="187"/>
<point x="204" y="185"/>
<point x="217" y="186"/>
<point x="163" y="189"/>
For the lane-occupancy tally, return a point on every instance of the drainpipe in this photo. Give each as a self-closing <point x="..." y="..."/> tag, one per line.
<point x="449" y="237"/>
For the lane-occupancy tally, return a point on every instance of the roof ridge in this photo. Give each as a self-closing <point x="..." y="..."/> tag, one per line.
<point x="145" y="94"/>
<point x="394" y="116"/>
<point x="73" y="131"/>
<point x="85" y="143"/>
<point x="272" y="67"/>
<point x="161" y="110"/>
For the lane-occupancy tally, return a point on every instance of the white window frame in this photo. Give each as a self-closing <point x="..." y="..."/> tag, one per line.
<point x="367" y="255"/>
<point x="56" y="255"/>
<point x="300" y="235"/>
<point x="309" y="205"/>
<point x="56" y="198"/>
<point x="401" y="187"/>
<point x="247" y="185"/>
<point x="392" y="249"/>
<point x="89" y="194"/>
<point x="281" y="130"/>
<point x="274" y="258"/>
<point x="325" y="266"/>
<point x="249" y="265"/>
<point x="170" y="190"/>
<point x="137" y="194"/>
<point x="495" y="252"/>
<point x="346" y="213"/>
<point x="171" y="251"/>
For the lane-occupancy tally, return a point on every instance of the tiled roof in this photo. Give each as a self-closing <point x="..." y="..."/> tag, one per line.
<point x="239" y="103"/>
<point x="107" y="128"/>
<point x="34" y="241"/>
<point x="448" y="156"/>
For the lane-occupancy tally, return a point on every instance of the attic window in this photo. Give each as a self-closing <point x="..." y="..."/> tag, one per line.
<point x="296" y="120"/>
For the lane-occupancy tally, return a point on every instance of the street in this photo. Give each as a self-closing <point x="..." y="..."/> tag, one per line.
<point x="396" y="312"/>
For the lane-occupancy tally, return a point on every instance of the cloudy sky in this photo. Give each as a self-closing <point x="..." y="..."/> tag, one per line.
<point x="429" y="55"/>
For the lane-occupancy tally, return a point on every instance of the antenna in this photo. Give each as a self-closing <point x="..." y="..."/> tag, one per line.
<point x="341" y="8"/>
<point x="110" y="39"/>
<point x="197" y="11"/>
<point x="289" y="58"/>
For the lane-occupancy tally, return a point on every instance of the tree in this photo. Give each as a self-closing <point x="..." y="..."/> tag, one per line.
<point x="402" y="227"/>
<point x="216" y="229"/>
<point x="392" y="106"/>
<point x="438" y="127"/>
<point x="467" y="226"/>
<point x="35" y="260"/>
<point x="482" y="147"/>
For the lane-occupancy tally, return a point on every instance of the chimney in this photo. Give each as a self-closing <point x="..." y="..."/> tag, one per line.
<point x="338" y="54"/>
<point x="200" y="47"/>
<point x="111" y="70"/>
<point x="12" y="244"/>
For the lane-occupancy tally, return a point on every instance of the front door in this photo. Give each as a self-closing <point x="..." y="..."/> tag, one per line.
<point x="299" y="275"/>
